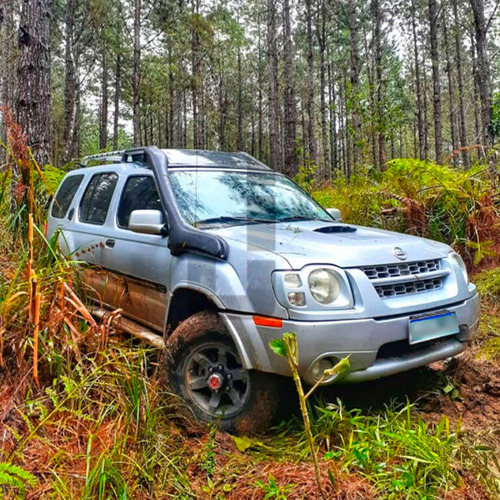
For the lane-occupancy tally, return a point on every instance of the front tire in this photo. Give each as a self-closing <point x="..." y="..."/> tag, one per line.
<point x="204" y="368"/>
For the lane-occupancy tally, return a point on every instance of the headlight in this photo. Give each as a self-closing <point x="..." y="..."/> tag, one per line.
<point x="314" y="289"/>
<point x="324" y="286"/>
<point x="461" y="264"/>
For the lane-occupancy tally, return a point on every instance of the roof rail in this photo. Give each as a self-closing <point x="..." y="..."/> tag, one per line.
<point x="104" y="157"/>
<point x="135" y="155"/>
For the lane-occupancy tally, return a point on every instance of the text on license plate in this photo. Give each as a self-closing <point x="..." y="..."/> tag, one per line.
<point x="432" y="326"/>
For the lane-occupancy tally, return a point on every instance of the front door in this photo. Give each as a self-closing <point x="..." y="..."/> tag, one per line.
<point x="136" y="266"/>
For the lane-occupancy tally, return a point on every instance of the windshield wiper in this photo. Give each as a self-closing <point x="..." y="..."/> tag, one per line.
<point x="226" y="219"/>
<point x="297" y="218"/>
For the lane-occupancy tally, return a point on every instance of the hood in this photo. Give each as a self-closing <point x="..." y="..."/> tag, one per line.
<point x="343" y="245"/>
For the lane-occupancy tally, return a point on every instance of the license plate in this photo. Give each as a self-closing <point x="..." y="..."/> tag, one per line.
<point x="432" y="326"/>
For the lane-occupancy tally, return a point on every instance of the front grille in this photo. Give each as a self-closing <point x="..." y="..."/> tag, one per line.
<point x="402" y="269"/>
<point x="389" y="279"/>
<point x="407" y="288"/>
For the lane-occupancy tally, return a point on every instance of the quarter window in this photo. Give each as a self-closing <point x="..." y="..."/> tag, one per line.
<point x="139" y="193"/>
<point x="65" y="195"/>
<point x="95" y="202"/>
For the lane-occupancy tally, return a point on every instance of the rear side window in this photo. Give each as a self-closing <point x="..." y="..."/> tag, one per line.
<point x="95" y="202"/>
<point x="65" y="195"/>
<point x="139" y="193"/>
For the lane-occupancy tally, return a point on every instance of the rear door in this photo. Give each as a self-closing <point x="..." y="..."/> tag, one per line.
<point x="88" y="228"/>
<point x="137" y="265"/>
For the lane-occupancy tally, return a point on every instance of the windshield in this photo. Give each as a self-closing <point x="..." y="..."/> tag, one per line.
<point x="222" y="197"/>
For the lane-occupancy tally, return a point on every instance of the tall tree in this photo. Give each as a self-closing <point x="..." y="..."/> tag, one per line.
<point x="34" y="70"/>
<point x="461" y="88"/>
<point x="136" y="76"/>
<point x="483" y="70"/>
<point x="7" y="72"/>
<point x="290" y="112"/>
<point x="70" y="82"/>
<point x="321" y="35"/>
<point x="355" y="119"/>
<point x="377" y="36"/>
<point x="274" y="111"/>
<point x="418" y="84"/>
<point x="451" y="89"/>
<point x="436" y="84"/>
<point x="103" y="128"/>
<point x="311" y="133"/>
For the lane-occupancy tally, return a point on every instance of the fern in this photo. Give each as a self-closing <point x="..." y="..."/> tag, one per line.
<point x="13" y="477"/>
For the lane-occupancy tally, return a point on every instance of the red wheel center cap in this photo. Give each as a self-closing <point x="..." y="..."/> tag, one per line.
<point x="215" y="381"/>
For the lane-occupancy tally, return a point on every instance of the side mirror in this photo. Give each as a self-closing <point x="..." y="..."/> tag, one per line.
<point x="335" y="213"/>
<point x="146" y="222"/>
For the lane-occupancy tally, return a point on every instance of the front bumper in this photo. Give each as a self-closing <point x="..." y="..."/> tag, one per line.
<point x="377" y="347"/>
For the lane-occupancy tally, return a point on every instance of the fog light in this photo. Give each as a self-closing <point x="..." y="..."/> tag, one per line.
<point x="292" y="280"/>
<point x="320" y="366"/>
<point x="297" y="298"/>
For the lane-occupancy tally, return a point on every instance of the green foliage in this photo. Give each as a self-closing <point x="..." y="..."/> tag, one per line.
<point x="400" y="453"/>
<point x="14" y="479"/>
<point x="495" y="119"/>
<point x="488" y="284"/>
<point x="435" y="201"/>
<point x="53" y="177"/>
<point x="273" y="490"/>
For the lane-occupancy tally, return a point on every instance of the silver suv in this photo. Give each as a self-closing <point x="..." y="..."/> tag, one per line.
<point x="218" y="255"/>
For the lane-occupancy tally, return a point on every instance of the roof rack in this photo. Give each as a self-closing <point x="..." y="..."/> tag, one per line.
<point x="103" y="158"/>
<point x="134" y="155"/>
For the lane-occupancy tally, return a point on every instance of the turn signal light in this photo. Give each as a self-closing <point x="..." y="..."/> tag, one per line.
<point x="265" y="321"/>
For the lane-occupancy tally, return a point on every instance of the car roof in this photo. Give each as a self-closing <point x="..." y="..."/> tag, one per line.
<point x="197" y="158"/>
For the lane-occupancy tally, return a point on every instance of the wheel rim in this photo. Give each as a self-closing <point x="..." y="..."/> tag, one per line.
<point x="215" y="380"/>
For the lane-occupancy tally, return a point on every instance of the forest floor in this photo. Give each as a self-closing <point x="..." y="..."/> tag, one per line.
<point x="104" y="435"/>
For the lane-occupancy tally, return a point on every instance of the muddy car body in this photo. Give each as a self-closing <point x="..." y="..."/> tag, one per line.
<point x="220" y="255"/>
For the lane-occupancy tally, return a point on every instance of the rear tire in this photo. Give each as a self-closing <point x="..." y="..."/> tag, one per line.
<point x="203" y="367"/>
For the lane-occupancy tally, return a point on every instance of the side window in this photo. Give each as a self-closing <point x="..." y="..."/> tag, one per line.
<point x="139" y="193"/>
<point x="65" y="195"/>
<point x="95" y="202"/>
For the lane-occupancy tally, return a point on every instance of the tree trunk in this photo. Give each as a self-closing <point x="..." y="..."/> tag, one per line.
<point x="483" y="71"/>
<point x="426" y="113"/>
<point x="461" y="90"/>
<point x="260" y="104"/>
<point x="222" y="112"/>
<point x="103" y="136"/>
<point x="136" y="76"/>
<point x="311" y="134"/>
<point x="34" y="91"/>
<point x="372" y="129"/>
<point x="418" y="87"/>
<point x="274" y="137"/>
<point x="291" y="164"/>
<point x="321" y="33"/>
<point x="116" y="114"/>
<point x="475" y="77"/>
<point x="7" y="70"/>
<point x="195" y="81"/>
<point x="70" y="85"/>
<point x="451" y="91"/>
<point x="355" y="120"/>
<point x="333" y="115"/>
<point x="378" y="19"/>
<point x="433" y="22"/>
<point x="239" y="133"/>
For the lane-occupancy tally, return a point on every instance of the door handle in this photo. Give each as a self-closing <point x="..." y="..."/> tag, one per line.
<point x="110" y="243"/>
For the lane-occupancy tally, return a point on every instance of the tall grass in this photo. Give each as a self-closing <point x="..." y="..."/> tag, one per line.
<point x="401" y="454"/>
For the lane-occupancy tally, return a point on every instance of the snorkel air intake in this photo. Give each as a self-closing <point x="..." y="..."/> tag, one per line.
<point x="182" y="237"/>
